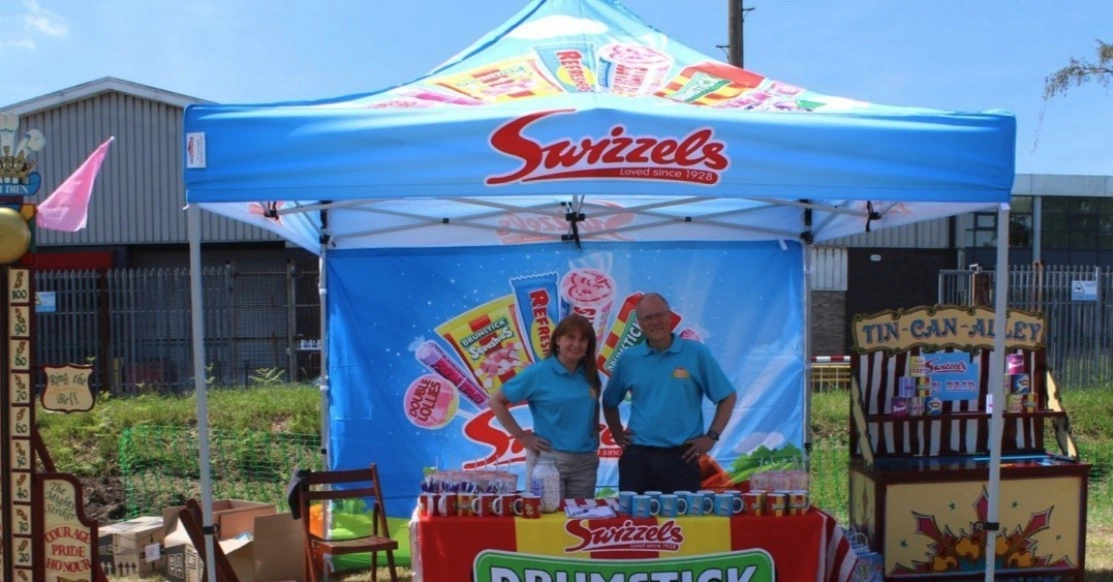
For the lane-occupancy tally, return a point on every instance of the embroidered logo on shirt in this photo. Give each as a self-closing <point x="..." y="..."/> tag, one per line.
<point x="680" y="373"/>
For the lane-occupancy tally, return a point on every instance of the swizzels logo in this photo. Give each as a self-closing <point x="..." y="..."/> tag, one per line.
<point x="527" y="227"/>
<point x="482" y="429"/>
<point x="663" y="537"/>
<point x="937" y="367"/>
<point x="697" y="158"/>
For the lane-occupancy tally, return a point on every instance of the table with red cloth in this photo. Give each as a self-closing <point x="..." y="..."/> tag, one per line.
<point x="806" y="547"/>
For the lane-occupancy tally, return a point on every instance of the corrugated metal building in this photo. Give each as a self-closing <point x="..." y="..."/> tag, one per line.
<point x="136" y="220"/>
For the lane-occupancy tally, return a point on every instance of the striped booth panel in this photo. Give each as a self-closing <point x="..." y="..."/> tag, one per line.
<point x="962" y="427"/>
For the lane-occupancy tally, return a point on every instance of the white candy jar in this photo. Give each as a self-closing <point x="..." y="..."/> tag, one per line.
<point x="545" y="482"/>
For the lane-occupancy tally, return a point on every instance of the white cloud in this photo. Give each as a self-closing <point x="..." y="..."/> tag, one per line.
<point x="42" y="20"/>
<point x="557" y="25"/>
<point x="19" y="43"/>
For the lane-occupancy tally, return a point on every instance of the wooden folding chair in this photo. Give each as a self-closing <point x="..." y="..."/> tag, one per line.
<point x="192" y="518"/>
<point x="326" y="486"/>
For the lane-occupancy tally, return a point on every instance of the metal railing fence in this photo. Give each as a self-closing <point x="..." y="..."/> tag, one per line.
<point x="1078" y="304"/>
<point x="133" y="326"/>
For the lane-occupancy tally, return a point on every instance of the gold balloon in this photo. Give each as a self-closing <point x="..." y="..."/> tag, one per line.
<point x="15" y="236"/>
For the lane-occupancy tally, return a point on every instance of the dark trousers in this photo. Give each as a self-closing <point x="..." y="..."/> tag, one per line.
<point x="642" y="469"/>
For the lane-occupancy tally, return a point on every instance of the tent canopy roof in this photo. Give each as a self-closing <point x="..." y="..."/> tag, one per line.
<point x="573" y="101"/>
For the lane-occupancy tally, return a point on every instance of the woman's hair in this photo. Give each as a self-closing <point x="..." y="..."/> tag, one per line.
<point x="579" y="324"/>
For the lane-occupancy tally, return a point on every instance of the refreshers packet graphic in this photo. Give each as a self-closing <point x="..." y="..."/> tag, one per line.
<point x="571" y="64"/>
<point x="539" y="307"/>
<point x="489" y="340"/>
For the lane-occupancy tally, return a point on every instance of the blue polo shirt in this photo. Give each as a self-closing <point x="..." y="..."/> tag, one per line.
<point x="563" y="409"/>
<point x="666" y="390"/>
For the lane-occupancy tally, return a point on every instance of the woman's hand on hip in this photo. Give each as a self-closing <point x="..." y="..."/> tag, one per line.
<point x="535" y="443"/>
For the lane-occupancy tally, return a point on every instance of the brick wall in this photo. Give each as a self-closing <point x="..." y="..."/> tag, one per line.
<point x="828" y="323"/>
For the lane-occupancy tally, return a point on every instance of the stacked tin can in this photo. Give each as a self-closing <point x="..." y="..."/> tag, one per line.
<point x="1018" y="386"/>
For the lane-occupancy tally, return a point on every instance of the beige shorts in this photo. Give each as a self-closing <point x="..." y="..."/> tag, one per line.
<point x="578" y="472"/>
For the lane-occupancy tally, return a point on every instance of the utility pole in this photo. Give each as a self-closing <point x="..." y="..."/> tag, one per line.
<point x="736" y="17"/>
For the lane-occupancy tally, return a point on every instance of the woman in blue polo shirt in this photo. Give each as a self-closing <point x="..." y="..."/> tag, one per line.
<point x="562" y="392"/>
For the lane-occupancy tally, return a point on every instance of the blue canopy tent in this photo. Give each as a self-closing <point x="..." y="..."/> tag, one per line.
<point x="571" y="112"/>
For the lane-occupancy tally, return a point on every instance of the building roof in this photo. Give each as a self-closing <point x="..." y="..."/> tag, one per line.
<point x="1062" y="185"/>
<point x="97" y="87"/>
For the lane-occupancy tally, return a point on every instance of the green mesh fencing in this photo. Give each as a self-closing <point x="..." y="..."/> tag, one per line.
<point x="159" y="465"/>
<point x="828" y="480"/>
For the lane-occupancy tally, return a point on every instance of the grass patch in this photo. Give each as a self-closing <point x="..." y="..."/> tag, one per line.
<point x="87" y="443"/>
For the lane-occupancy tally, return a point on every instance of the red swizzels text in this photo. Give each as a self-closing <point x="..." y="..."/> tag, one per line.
<point x="697" y="157"/>
<point x="628" y="536"/>
<point x="483" y="429"/>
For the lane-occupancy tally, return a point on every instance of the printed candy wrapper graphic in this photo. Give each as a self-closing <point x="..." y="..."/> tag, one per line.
<point x="590" y="293"/>
<point x="539" y="308"/>
<point x="709" y="83"/>
<point x="624" y="334"/>
<point x="571" y="64"/>
<point x="514" y="78"/>
<point x="437" y="360"/>
<point x="632" y="70"/>
<point x="489" y="340"/>
<point x="414" y="97"/>
<point x="431" y="402"/>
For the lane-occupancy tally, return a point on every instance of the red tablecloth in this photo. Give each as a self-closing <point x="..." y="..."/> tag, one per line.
<point x="808" y="547"/>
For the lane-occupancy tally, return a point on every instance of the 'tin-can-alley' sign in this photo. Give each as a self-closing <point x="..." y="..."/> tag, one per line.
<point x="940" y="327"/>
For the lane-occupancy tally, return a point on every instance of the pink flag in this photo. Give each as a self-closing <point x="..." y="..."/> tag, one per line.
<point x="67" y="208"/>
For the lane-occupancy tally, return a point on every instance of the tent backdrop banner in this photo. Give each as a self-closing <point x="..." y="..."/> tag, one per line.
<point x="419" y="336"/>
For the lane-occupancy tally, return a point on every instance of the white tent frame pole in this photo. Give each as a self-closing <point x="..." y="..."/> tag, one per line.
<point x="807" y="249"/>
<point x="698" y="220"/>
<point x="579" y="202"/>
<point x="997" y="386"/>
<point x="324" y="386"/>
<point x="200" y="384"/>
<point x="830" y="208"/>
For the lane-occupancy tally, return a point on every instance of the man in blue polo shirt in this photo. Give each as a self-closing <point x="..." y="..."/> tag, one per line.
<point x="667" y="378"/>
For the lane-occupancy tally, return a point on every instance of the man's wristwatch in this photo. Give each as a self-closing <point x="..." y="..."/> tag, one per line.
<point x="713" y="434"/>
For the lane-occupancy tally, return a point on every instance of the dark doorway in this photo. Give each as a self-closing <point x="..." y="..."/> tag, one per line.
<point x="887" y="278"/>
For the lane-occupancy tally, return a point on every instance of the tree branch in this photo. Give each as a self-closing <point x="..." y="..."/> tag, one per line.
<point x="1079" y="72"/>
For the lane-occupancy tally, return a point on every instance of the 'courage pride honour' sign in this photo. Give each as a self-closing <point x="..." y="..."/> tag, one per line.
<point x="945" y="326"/>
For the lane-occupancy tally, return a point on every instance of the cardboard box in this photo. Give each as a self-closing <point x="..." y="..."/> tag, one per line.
<point x="231" y="516"/>
<point x="274" y="554"/>
<point x="185" y="565"/>
<point x="121" y="546"/>
<point x="279" y="549"/>
<point x="182" y="565"/>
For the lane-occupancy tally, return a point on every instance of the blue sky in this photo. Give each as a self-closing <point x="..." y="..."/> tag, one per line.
<point x="966" y="55"/>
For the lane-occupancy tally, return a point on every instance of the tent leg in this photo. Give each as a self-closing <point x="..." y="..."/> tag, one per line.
<point x="200" y="387"/>
<point x="323" y="383"/>
<point x="808" y="260"/>
<point x="996" y="386"/>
